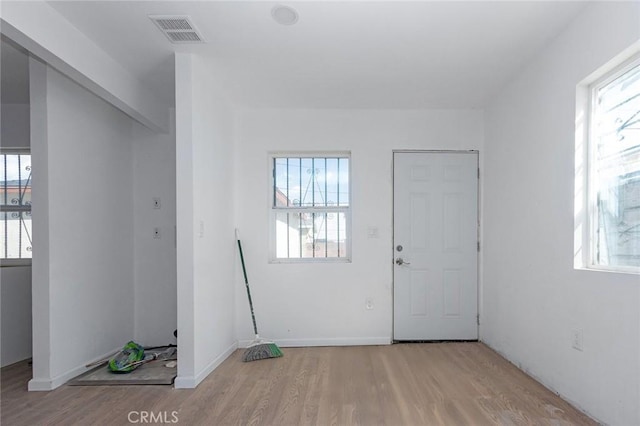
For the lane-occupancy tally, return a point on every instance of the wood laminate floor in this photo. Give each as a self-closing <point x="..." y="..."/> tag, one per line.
<point x="403" y="384"/>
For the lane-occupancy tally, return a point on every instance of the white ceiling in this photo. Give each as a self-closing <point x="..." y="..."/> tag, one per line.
<point x="340" y="54"/>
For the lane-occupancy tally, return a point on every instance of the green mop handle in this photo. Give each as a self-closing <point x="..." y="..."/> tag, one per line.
<point x="246" y="284"/>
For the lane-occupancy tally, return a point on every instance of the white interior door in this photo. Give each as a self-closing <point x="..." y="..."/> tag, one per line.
<point x="435" y="245"/>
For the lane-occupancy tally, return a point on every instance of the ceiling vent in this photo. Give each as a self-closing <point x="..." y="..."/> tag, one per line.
<point x="179" y="29"/>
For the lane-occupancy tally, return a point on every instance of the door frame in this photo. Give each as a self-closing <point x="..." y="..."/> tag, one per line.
<point x="393" y="228"/>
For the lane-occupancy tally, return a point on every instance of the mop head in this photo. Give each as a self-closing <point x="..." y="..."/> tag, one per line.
<point x="261" y="351"/>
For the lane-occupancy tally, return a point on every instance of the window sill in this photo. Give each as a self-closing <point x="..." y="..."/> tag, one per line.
<point x="8" y="263"/>
<point x="619" y="270"/>
<point x="310" y="261"/>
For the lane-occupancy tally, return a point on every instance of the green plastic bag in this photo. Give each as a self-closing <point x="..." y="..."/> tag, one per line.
<point x="124" y="361"/>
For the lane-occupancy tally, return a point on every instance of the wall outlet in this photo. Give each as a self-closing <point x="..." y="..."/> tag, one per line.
<point x="156" y="202"/>
<point x="368" y="303"/>
<point x="156" y="233"/>
<point x="577" y="342"/>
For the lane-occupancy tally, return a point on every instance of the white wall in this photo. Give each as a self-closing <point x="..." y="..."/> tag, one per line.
<point x="324" y="304"/>
<point x="205" y="221"/>
<point x="154" y="169"/>
<point x="15" y="126"/>
<point x="83" y="292"/>
<point x="533" y="298"/>
<point x="15" y="320"/>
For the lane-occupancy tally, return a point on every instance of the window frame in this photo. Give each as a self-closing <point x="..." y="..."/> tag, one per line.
<point x="274" y="210"/>
<point x="10" y="262"/>
<point x="591" y="196"/>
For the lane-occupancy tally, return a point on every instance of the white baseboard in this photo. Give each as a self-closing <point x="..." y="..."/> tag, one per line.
<point x="190" y="382"/>
<point x="543" y="382"/>
<point x="37" y="385"/>
<point x="47" y="384"/>
<point x="184" y="382"/>
<point x="338" y="341"/>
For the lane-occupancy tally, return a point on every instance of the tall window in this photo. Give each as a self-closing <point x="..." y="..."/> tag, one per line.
<point x="310" y="207"/>
<point x="615" y="170"/>
<point x="15" y="206"/>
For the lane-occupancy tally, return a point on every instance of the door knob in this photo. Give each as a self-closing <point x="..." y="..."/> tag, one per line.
<point x="400" y="261"/>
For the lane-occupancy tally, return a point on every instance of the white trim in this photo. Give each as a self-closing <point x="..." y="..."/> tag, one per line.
<point x="543" y="382"/>
<point x="629" y="270"/>
<point x="436" y="151"/>
<point x="15" y="150"/>
<point x="309" y="154"/>
<point x="606" y="75"/>
<point x="582" y="210"/>
<point x="191" y="382"/>
<point x="186" y="382"/>
<point x="311" y="260"/>
<point x="615" y="72"/>
<point x="479" y="281"/>
<point x="581" y="231"/>
<point x="9" y="263"/>
<point x="336" y="341"/>
<point x="59" y="380"/>
<point x="40" y="385"/>
<point x="271" y="249"/>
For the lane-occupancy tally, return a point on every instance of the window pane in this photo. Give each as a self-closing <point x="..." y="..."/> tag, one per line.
<point x="15" y="179"/>
<point x="281" y="193"/>
<point x="306" y="189"/>
<point x="332" y="182"/>
<point x="617" y="171"/>
<point x="343" y="182"/>
<point x="311" y="182"/>
<point x="15" y="205"/>
<point x="15" y="236"/>
<point x="310" y="235"/>
<point x="309" y="199"/>
<point x="295" y="179"/>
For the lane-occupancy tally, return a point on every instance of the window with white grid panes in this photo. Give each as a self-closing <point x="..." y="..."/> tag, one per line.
<point x="310" y="207"/>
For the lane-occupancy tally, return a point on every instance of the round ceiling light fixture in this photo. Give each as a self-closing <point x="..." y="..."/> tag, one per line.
<point x="284" y="15"/>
